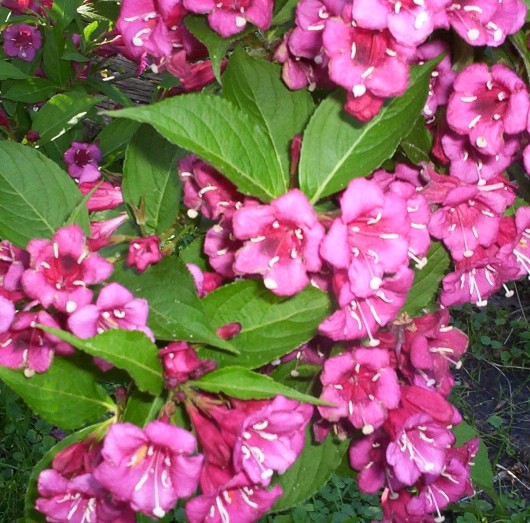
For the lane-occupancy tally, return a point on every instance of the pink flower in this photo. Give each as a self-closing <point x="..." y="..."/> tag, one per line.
<point x="82" y="161"/>
<point x="101" y="231"/>
<point x="220" y="245"/>
<point x="144" y="252"/>
<point x="22" y="41"/>
<point x="61" y="268"/>
<point x="23" y="346"/>
<point x="281" y="242"/>
<point x="485" y="105"/>
<point x="115" y="308"/>
<point x="205" y="282"/>
<point x="7" y="314"/>
<point x="231" y="17"/>
<point x="150" y="468"/>
<point x="105" y="196"/>
<point x="271" y="438"/>
<point x="362" y="386"/>
<point x="13" y="263"/>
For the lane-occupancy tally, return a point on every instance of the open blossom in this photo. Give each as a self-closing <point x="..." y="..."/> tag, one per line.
<point x="7" y="314"/>
<point x="271" y="438"/>
<point x="231" y="17"/>
<point x="22" y="41"/>
<point x="13" y="263"/>
<point x="281" y="242"/>
<point x="486" y="105"/>
<point x="362" y="386"/>
<point x="82" y="161"/>
<point x="151" y="468"/>
<point x="61" y="268"/>
<point x="115" y="308"/>
<point x="24" y="346"/>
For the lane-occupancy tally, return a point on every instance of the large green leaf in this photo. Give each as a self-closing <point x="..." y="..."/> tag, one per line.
<point x="271" y="325"/>
<point x="245" y="384"/>
<point x="37" y="196"/>
<point x="56" y="69"/>
<point x="9" y="72"/>
<point x="29" y="91"/>
<point x="115" y="136"/>
<point x="66" y="395"/>
<point x="221" y="134"/>
<point x="426" y="283"/>
<point x="60" y="113"/>
<point x="311" y="470"/>
<point x="255" y="86"/>
<point x="175" y="311"/>
<point x="131" y="351"/>
<point x="150" y="179"/>
<point x="337" y="147"/>
<point x="31" y="515"/>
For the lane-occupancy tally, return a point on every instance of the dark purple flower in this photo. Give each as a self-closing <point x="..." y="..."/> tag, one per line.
<point x="82" y="161"/>
<point x="22" y="41"/>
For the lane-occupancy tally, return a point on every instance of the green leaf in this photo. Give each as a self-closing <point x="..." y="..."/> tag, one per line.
<point x="31" y="515"/>
<point x="61" y="113"/>
<point x="115" y="136"/>
<point x="131" y="351"/>
<point x="56" y="69"/>
<point x="284" y="11"/>
<point x="427" y="281"/>
<point x="222" y="135"/>
<point x="66" y="395"/>
<point x="108" y="89"/>
<point x="106" y="10"/>
<point x="481" y="472"/>
<point x="272" y="326"/>
<point x="519" y="41"/>
<point x="337" y="147"/>
<point x="64" y="10"/>
<point x="310" y="471"/>
<point x="29" y="91"/>
<point x="142" y="408"/>
<point x="255" y="87"/>
<point x="9" y="72"/>
<point x="245" y="384"/>
<point x="37" y="196"/>
<point x="175" y="311"/>
<point x="217" y="45"/>
<point x="417" y="144"/>
<point x="150" y="179"/>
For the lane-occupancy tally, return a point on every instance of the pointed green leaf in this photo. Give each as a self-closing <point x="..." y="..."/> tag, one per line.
<point x="142" y="408"/>
<point x="131" y="351"/>
<point x="37" y="196"/>
<point x="311" y="470"/>
<point x="10" y="72"/>
<point x="60" y="113"/>
<point x="115" y="136"/>
<point x="255" y="86"/>
<point x="150" y="179"/>
<point x="245" y="384"/>
<point x="175" y="311"/>
<point x="272" y="326"/>
<point x="222" y="135"/>
<point x="426" y="283"/>
<point x="417" y="144"/>
<point x="29" y="91"/>
<point x="66" y="395"/>
<point x="337" y="147"/>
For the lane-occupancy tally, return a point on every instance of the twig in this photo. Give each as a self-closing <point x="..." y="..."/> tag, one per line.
<point x="513" y="476"/>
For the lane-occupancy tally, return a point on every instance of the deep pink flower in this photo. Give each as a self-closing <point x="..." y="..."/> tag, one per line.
<point x="485" y="105"/>
<point x="82" y="161"/>
<point x="23" y="346"/>
<point x="144" y="252"/>
<point x="23" y="6"/>
<point x="101" y="231"/>
<point x="362" y="386"/>
<point x="394" y="505"/>
<point x="281" y="242"/>
<point x="520" y="246"/>
<point x="231" y="17"/>
<point x="105" y="196"/>
<point x="150" y="468"/>
<point x="193" y="76"/>
<point x="205" y="282"/>
<point x="61" y="268"/>
<point x="181" y="363"/>
<point x="22" y="41"/>
<point x="13" y="263"/>
<point x="220" y="245"/>
<point x="271" y="439"/>
<point x="115" y="308"/>
<point x="7" y="314"/>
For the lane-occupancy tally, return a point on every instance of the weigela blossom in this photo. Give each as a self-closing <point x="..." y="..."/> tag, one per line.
<point x="362" y="386"/>
<point x="61" y="268"/>
<point x="220" y="245"/>
<point x="82" y="161"/>
<point x="230" y="17"/>
<point x="103" y="195"/>
<point x="115" y="308"/>
<point x="22" y="41"/>
<point x="144" y="252"/>
<point x="24" y="346"/>
<point x="281" y="242"/>
<point x="13" y="263"/>
<point x="486" y="22"/>
<point x="271" y="438"/>
<point x="486" y="105"/>
<point x="101" y="231"/>
<point x="410" y="23"/>
<point x="7" y="314"/>
<point x="150" y="468"/>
